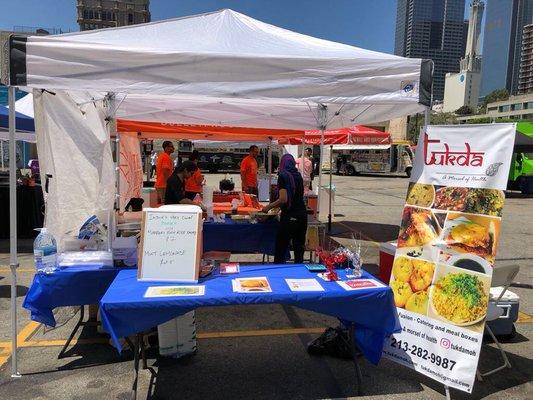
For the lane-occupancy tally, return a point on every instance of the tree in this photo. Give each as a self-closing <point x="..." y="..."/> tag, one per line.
<point x="416" y="122"/>
<point x="495" y="95"/>
<point x="464" y="110"/>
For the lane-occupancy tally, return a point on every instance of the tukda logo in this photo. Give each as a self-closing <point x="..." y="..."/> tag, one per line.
<point x="442" y="155"/>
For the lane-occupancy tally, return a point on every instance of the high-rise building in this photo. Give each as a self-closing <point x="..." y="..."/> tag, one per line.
<point x="502" y="43"/>
<point x="525" y="80"/>
<point x="432" y="29"/>
<point x="97" y="14"/>
<point x="462" y="89"/>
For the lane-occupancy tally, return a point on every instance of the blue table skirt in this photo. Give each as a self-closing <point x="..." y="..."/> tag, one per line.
<point x="74" y="286"/>
<point x="125" y="311"/>
<point x="240" y="237"/>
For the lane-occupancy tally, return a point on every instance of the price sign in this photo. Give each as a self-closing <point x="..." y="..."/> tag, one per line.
<point x="170" y="244"/>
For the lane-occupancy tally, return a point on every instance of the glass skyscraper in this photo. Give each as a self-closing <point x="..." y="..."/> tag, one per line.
<point x="432" y="29"/>
<point x="502" y="42"/>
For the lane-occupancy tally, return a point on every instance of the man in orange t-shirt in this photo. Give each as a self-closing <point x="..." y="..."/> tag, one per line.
<point x="163" y="169"/>
<point x="249" y="171"/>
<point x="194" y="184"/>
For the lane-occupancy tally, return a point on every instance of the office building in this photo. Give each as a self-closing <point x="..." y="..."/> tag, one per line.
<point x="525" y="79"/>
<point x="97" y="14"/>
<point x="516" y="107"/>
<point x="462" y="89"/>
<point x="432" y="29"/>
<point x="504" y="25"/>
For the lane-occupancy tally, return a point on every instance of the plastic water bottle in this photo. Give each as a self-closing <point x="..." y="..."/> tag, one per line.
<point x="45" y="252"/>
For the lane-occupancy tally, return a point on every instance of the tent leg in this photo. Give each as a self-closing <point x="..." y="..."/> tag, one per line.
<point x="13" y="264"/>
<point x="270" y="170"/>
<point x="427" y="116"/>
<point x="330" y="186"/>
<point x="322" y="124"/>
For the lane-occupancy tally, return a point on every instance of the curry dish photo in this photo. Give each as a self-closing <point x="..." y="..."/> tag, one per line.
<point x="411" y="279"/>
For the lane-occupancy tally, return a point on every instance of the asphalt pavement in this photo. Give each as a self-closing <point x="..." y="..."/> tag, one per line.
<point x="259" y="352"/>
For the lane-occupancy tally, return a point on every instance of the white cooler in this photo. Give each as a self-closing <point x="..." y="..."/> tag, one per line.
<point x="509" y="303"/>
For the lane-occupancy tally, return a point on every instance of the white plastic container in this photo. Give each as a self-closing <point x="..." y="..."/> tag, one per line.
<point x="177" y="337"/>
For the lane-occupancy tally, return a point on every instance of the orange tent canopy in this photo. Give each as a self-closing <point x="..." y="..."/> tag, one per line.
<point x="152" y="130"/>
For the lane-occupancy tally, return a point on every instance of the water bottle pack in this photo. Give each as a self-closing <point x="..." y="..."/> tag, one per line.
<point x="45" y="252"/>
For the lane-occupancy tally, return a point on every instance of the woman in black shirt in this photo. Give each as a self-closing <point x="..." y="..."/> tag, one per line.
<point x="293" y="219"/>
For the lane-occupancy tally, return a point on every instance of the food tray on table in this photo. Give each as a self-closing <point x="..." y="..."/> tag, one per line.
<point x="240" y="219"/>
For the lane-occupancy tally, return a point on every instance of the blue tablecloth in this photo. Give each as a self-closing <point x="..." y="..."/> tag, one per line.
<point x="125" y="310"/>
<point x="74" y="286"/>
<point x="240" y="237"/>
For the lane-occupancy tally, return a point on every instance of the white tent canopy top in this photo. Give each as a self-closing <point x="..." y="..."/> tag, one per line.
<point x="244" y="72"/>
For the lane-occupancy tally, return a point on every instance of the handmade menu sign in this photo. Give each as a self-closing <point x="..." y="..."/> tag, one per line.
<point x="170" y="248"/>
<point x="446" y="250"/>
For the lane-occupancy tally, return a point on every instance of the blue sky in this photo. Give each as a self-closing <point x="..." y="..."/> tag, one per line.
<point x="364" y="23"/>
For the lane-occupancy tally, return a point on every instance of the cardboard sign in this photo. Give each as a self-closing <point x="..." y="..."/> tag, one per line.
<point x="170" y="244"/>
<point x="446" y="251"/>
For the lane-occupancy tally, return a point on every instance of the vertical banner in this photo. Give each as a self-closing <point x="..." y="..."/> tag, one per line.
<point x="447" y="244"/>
<point x="131" y="172"/>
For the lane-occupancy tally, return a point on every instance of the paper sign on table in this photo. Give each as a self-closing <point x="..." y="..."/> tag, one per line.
<point x="229" y="268"/>
<point x="304" y="285"/>
<point x="171" y="291"/>
<point x="358" y="284"/>
<point x="251" y="285"/>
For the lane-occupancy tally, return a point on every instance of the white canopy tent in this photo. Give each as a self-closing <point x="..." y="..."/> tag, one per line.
<point x="221" y="69"/>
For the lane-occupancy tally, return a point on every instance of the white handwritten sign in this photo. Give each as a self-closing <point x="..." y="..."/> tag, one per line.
<point x="170" y="243"/>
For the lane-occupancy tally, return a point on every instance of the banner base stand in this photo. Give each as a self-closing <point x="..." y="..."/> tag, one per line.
<point x="447" y="390"/>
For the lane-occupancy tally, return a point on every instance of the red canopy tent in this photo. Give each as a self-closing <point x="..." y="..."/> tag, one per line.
<point x="356" y="135"/>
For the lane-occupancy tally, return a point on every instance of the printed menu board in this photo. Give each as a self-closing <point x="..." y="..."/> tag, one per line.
<point x="447" y="243"/>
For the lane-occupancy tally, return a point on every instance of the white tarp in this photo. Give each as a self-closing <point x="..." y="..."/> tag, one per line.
<point x="74" y="148"/>
<point x="258" y="75"/>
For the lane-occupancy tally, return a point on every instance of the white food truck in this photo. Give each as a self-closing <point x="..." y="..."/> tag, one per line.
<point x="396" y="158"/>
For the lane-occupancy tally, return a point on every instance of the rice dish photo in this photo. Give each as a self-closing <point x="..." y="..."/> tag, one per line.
<point x="420" y="194"/>
<point x="460" y="298"/>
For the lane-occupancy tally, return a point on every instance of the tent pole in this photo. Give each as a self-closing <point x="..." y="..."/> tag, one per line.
<point x="302" y="156"/>
<point x="322" y="123"/>
<point x="269" y="168"/>
<point x="2" y="152"/>
<point x="427" y="116"/>
<point x="13" y="264"/>
<point x="330" y="185"/>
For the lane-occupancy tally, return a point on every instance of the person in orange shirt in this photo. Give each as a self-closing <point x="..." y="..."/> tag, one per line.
<point x="193" y="184"/>
<point x="249" y="171"/>
<point x="163" y="169"/>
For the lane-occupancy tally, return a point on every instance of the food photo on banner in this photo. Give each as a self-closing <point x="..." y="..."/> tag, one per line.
<point x="446" y="253"/>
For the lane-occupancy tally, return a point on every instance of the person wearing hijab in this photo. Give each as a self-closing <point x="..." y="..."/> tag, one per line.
<point x="293" y="219"/>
